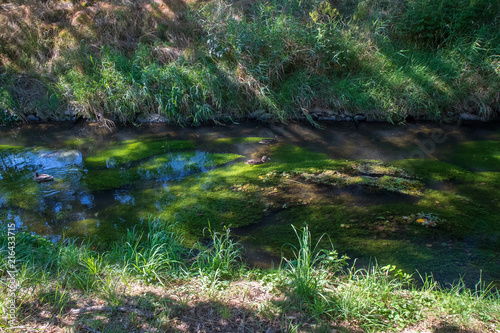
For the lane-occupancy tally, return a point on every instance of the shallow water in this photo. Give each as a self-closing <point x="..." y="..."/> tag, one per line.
<point x="75" y="205"/>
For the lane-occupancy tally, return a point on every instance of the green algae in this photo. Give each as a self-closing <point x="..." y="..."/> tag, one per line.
<point x="9" y="147"/>
<point x="237" y="195"/>
<point x="168" y="166"/>
<point x="79" y="143"/>
<point x="87" y="228"/>
<point x="347" y="173"/>
<point x="237" y="140"/>
<point x="287" y="153"/>
<point x="477" y="155"/>
<point x="132" y="150"/>
<point x="96" y="180"/>
<point x="432" y="170"/>
<point x="393" y="184"/>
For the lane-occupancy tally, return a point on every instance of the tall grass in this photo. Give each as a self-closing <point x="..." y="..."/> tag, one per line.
<point x="374" y="298"/>
<point x="222" y="256"/>
<point x="222" y="60"/>
<point x="153" y="255"/>
<point x="311" y="268"/>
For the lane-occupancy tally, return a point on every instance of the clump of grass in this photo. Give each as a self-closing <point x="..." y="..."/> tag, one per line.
<point x="222" y="257"/>
<point x="377" y="298"/>
<point x="220" y="61"/>
<point x="150" y="255"/>
<point x="310" y="269"/>
<point x="371" y="299"/>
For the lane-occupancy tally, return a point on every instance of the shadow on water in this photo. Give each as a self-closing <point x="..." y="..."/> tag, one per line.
<point x="350" y="196"/>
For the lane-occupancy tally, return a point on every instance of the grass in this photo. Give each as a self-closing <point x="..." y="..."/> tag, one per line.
<point x="219" y="61"/>
<point x="154" y="273"/>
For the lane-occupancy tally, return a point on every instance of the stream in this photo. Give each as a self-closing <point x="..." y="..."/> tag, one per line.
<point x="421" y="196"/>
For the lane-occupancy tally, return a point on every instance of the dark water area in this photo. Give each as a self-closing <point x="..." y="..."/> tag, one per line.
<point x="78" y="205"/>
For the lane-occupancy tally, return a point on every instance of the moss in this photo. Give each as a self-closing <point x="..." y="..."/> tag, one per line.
<point x="96" y="180"/>
<point x="170" y="166"/>
<point x="477" y="155"/>
<point x="237" y="140"/>
<point x="87" y="228"/>
<point x="463" y="216"/>
<point x="132" y="150"/>
<point x="79" y="143"/>
<point x="287" y="153"/>
<point x="388" y="183"/>
<point x="9" y="147"/>
<point x="431" y="170"/>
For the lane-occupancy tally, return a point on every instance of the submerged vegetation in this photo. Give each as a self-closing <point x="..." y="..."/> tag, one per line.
<point x="152" y="281"/>
<point x="193" y="62"/>
<point x="150" y="234"/>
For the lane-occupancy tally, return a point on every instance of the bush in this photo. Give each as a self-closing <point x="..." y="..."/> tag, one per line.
<point x="440" y="22"/>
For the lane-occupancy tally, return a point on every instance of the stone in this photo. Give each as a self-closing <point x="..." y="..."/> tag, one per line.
<point x="360" y="117"/>
<point x="255" y="114"/>
<point x="329" y="118"/>
<point x="470" y="117"/>
<point x="266" y="117"/>
<point x="323" y="111"/>
<point x="151" y="118"/>
<point x="32" y="117"/>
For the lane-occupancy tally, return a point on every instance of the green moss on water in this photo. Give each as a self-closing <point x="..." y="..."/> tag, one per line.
<point x="432" y="170"/>
<point x="9" y="147"/>
<point x="237" y="140"/>
<point x="287" y="153"/>
<point x="169" y="166"/>
<point x="477" y="155"/>
<point x="79" y="143"/>
<point x="87" y="228"/>
<point x="132" y="150"/>
<point x="96" y="180"/>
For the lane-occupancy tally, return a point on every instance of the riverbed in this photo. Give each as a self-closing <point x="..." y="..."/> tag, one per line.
<point x="423" y="197"/>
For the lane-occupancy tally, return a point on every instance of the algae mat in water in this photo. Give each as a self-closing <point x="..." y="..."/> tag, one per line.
<point x="132" y="150"/>
<point x="160" y="168"/>
<point x="477" y="155"/>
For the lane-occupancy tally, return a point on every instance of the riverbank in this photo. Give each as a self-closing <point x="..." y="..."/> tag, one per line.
<point x="203" y="62"/>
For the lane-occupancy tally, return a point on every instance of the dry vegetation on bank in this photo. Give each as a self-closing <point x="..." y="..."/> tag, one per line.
<point x="193" y="62"/>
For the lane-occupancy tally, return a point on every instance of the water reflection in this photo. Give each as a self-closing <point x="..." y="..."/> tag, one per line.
<point x="176" y="166"/>
<point x="124" y="197"/>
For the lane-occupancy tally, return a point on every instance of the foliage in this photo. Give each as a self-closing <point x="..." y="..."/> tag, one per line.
<point x="283" y="60"/>
<point x="311" y="268"/>
<point x="443" y="22"/>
